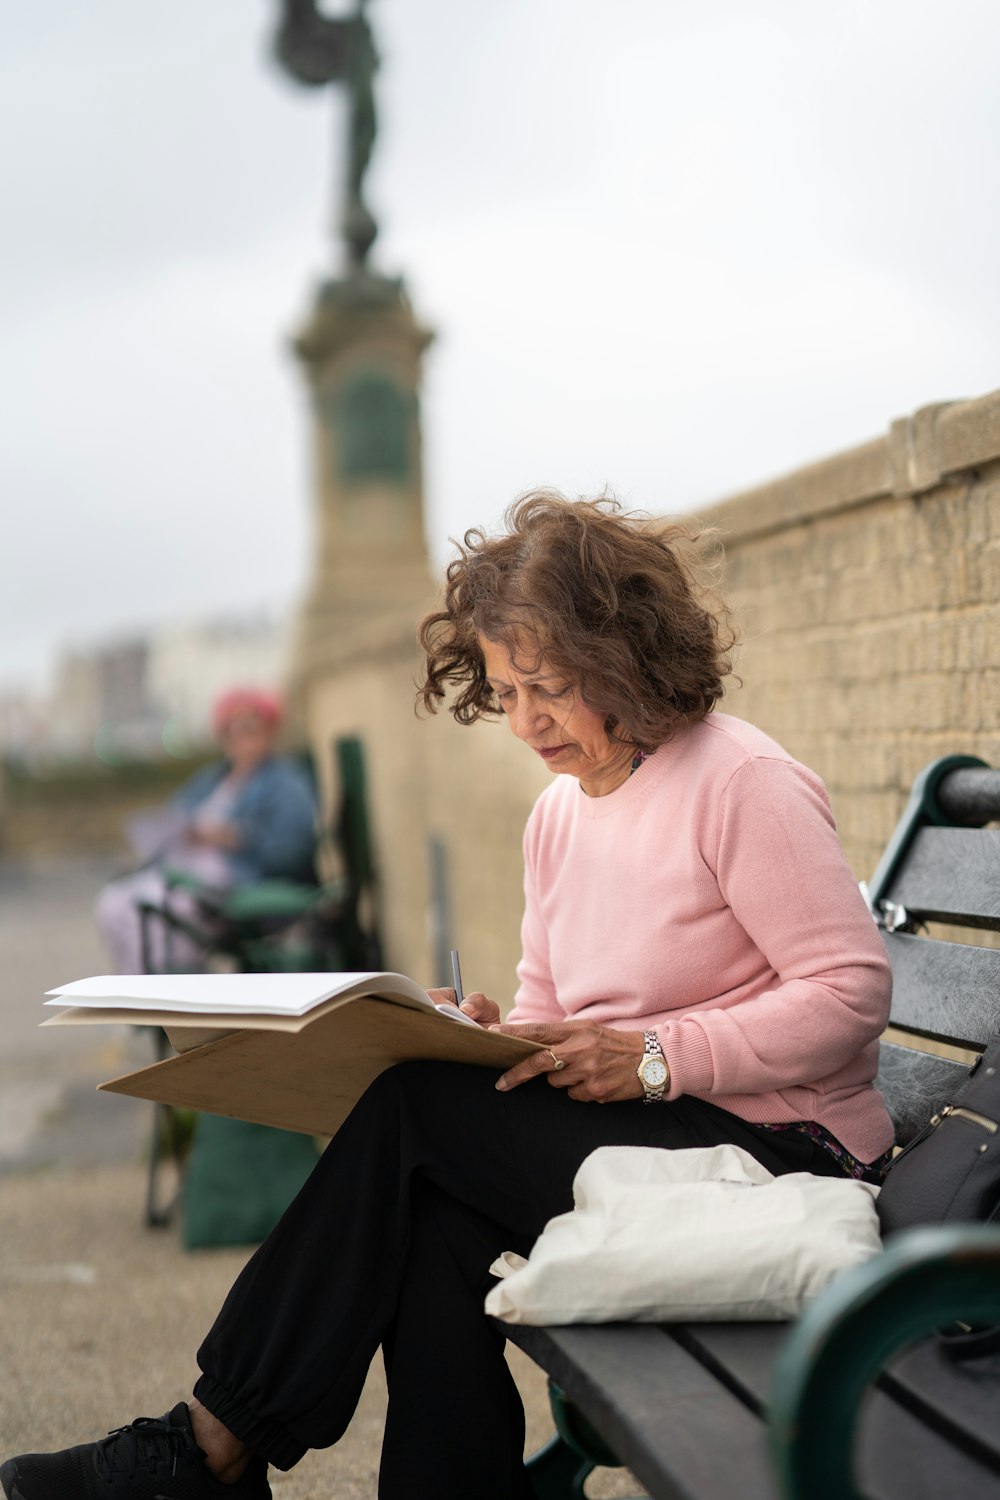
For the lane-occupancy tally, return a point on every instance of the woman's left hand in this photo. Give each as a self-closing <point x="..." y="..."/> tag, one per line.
<point x="599" y="1061"/>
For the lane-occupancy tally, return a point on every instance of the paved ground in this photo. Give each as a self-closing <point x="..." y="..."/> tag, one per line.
<point x="99" y="1316"/>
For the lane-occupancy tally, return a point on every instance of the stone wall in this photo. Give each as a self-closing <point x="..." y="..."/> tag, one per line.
<point x="867" y="590"/>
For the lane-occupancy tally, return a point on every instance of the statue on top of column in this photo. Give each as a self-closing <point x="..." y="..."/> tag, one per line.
<point x="318" y="50"/>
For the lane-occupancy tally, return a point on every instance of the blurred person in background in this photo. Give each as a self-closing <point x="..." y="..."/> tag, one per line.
<point x="247" y="817"/>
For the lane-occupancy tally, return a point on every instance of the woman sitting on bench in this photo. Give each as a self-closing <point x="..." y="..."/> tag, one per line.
<point x="244" y="818"/>
<point x="697" y="961"/>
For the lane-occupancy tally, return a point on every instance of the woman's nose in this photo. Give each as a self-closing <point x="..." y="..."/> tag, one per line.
<point x="528" y="718"/>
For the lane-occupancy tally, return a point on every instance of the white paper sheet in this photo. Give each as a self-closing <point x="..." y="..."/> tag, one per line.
<point x="266" y="994"/>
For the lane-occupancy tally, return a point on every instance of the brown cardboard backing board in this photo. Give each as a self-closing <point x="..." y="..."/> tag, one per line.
<point x="310" y="1079"/>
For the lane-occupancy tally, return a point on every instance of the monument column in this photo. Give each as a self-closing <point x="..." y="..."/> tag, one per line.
<point x="361" y="348"/>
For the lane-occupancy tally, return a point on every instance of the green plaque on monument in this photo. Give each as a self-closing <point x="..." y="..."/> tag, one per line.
<point x="372" y="426"/>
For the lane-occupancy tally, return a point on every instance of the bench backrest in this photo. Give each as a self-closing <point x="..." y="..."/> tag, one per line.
<point x="942" y="865"/>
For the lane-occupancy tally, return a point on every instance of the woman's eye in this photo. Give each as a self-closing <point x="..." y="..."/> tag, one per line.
<point x="555" y="692"/>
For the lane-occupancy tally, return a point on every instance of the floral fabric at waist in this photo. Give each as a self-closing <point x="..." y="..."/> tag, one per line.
<point x="870" y="1171"/>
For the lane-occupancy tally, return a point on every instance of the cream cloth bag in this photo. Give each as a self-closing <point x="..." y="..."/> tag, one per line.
<point x="705" y="1233"/>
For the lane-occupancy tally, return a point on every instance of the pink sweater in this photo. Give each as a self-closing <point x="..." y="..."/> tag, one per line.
<point x="709" y="899"/>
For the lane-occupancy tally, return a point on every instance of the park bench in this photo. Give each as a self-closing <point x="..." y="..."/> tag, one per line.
<point x="860" y="1398"/>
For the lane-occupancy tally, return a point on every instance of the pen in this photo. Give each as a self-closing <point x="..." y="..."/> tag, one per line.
<point x="456" y="977"/>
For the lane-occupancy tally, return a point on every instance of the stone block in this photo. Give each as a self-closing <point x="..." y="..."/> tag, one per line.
<point x="914" y="450"/>
<point x="982" y="583"/>
<point x="977" y="631"/>
<point x="968" y="434"/>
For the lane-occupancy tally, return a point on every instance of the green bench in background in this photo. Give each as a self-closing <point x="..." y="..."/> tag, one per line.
<point x="238" y="1178"/>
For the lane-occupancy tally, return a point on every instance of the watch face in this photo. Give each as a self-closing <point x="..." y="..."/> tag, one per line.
<point x="654" y="1072"/>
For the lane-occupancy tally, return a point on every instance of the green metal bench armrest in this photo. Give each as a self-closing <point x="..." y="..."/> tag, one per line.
<point x="922" y="808"/>
<point x="258" y="900"/>
<point x="180" y="880"/>
<point x="926" y="1279"/>
<point x="275" y="900"/>
<point x="173" y="921"/>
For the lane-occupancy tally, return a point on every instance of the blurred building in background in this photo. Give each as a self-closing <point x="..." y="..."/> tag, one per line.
<point x="100" y="703"/>
<point x="144" y="697"/>
<point x="25" y="725"/>
<point x="191" y="664"/>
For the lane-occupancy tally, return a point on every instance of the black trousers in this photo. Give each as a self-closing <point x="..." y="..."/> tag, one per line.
<point x="389" y="1244"/>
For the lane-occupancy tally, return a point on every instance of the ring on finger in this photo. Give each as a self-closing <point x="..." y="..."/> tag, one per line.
<point x="558" y="1063"/>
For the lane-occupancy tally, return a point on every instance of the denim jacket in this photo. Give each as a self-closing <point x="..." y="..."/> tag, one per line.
<point x="275" y="813"/>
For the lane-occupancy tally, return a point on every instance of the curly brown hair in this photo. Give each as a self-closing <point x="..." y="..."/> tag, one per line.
<point x="613" y="602"/>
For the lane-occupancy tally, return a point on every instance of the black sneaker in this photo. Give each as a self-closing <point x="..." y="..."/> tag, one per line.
<point x="153" y="1458"/>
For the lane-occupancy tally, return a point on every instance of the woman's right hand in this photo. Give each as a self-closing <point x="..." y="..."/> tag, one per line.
<point x="477" y="1006"/>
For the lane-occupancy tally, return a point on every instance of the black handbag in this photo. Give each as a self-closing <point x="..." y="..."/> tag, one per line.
<point x="950" y="1172"/>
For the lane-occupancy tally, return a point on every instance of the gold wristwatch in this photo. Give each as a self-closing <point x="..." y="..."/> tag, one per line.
<point x="653" y="1072"/>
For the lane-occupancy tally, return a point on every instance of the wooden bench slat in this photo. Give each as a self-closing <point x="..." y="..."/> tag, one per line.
<point x="675" y="1405"/>
<point x="952" y="875"/>
<point x="948" y="991"/>
<point x="915" y="1085"/>
<point x="962" y="1393"/>
<point x="682" y="1433"/>
<point x="898" y="1457"/>
<point x="896" y="1446"/>
<point x="744" y="1354"/>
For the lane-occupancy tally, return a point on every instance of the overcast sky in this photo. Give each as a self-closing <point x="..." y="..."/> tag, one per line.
<point x="668" y="247"/>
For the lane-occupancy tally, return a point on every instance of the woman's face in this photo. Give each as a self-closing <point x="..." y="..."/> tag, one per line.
<point x="545" y="710"/>
<point x="246" y="738"/>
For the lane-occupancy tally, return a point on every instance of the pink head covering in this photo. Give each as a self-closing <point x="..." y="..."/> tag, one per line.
<point x="246" y="700"/>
